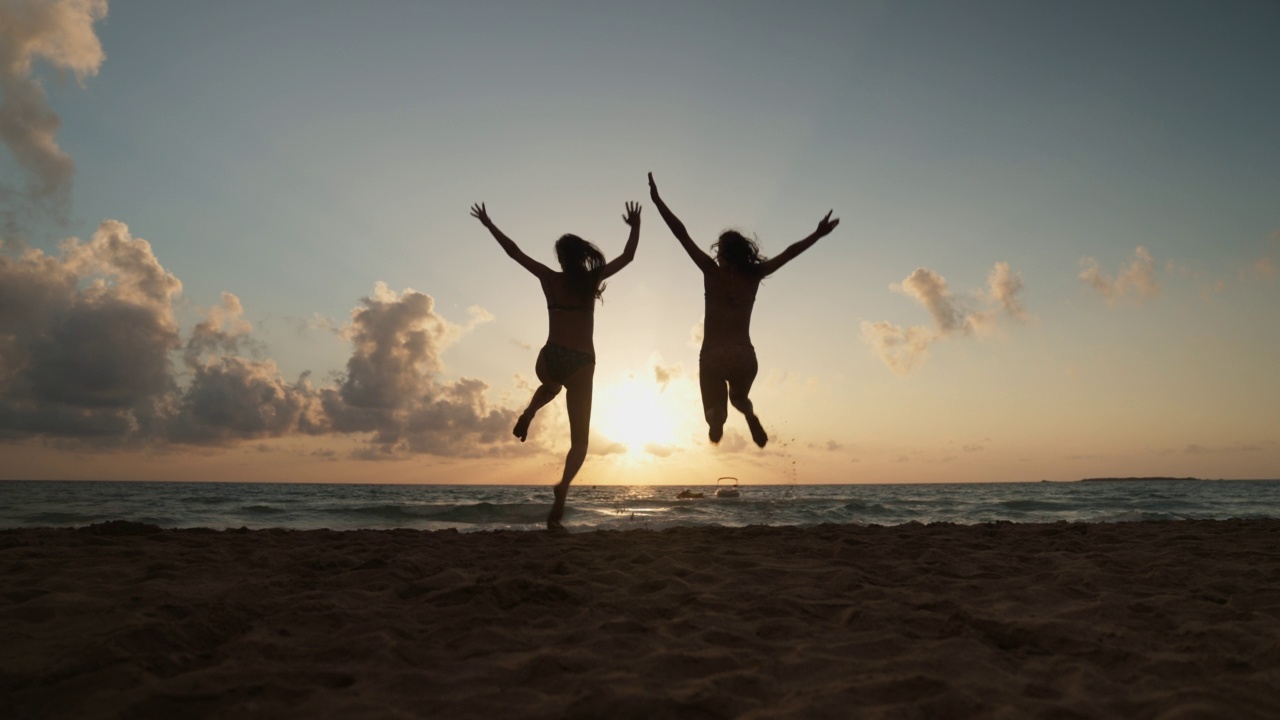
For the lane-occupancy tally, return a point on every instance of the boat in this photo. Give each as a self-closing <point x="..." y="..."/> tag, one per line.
<point x="687" y="495"/>
<point x="727" y="491"/>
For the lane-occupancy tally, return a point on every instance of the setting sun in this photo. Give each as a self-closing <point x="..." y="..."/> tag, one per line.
<point x="639" y="415"/>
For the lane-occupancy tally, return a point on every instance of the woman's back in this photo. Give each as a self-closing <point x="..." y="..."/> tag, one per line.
<point x="570" y="315"/>
<point x="730" y="296"/>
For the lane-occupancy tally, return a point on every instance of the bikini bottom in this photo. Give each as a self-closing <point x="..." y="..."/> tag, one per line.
<point x="560" y="362"/>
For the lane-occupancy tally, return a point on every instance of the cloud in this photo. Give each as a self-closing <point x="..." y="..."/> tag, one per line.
<point x="232" y="398"/>
<point x="1196" y="449"/>
<point x="903" y="348"/>
<point x="1137" y="280"/>
<point x="659" y="450"/>
<point x="598" y="444"/>
<point x="85" y="338"/>
<point x="695" y="335"/>
<point x="88" y="340"/>
<point x="663" y="375"/>
<point x="1006" y="290"/>
<point x="60" y="33"/>
<point x="930" y="289"/>
<point x="391" y="386"/>
<point x="733" y="442"/>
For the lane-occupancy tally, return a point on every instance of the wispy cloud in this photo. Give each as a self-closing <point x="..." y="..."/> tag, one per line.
<point x="1136" y="280"/>
<point x="60" y="33"/>
<point x="903" y="348"/>
<point x="664" y="374"/>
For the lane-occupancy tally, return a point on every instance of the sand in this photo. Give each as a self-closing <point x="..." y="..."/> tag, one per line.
<point x="1133" y="620"/>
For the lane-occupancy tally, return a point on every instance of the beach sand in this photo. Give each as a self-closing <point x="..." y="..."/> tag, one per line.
<point x="1132" y="620"/>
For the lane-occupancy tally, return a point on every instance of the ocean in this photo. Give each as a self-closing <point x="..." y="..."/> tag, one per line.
<point x="470" y="508"/>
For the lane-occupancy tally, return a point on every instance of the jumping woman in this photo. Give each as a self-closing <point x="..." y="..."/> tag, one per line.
<point x="727" y="363"/>
<point x="568" y="359"/>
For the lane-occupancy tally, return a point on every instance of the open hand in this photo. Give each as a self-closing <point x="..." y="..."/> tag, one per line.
<point x="478" y="212"/>
<point x="826" y="224"/>
<point x="653" y="188"/>
<point x="632" y="217"/>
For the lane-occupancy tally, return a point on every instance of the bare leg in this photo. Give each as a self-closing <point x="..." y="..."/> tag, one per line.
<point x="578" y="402"/>
<point x="545" y="393"/>
<point x="714" y="399"/>
<point x="740" y="381"/>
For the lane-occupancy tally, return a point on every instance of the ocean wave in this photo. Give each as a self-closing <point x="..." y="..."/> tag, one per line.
<point x="482" y="513"/>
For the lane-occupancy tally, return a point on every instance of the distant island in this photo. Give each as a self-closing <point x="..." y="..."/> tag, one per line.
<point x="1143" y="479"/>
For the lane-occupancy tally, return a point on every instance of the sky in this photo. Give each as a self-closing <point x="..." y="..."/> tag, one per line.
<point x="236" y="240"/>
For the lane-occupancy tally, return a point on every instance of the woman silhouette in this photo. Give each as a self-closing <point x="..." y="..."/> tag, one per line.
<point x="729" y="283"/>
<point x="568" y="359"/>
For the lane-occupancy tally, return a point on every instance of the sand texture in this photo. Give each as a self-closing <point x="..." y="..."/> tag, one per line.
<point x="1134" y="620"/>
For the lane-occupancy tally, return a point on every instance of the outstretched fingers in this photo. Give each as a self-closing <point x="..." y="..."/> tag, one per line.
<point x="478" y="212"/>
<point x="632" y="215"/>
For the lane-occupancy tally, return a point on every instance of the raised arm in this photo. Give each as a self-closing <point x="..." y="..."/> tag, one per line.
<point x="699" y="256"/>
<point x="478" y="212"/>
<point x="632" y="218"/>
<point x="825" y="226"/>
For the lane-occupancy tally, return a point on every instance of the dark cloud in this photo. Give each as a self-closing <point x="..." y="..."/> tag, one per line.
<point x="85" y="338"/>
<point x="88" y="337"/>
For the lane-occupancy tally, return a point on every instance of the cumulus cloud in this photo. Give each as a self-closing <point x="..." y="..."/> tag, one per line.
<point x="904" y="348"/>
<point x="391" y="386"/>
<point x="1136" y="280"/>
<point x="931" y="290"/>
<point x="88" y="338"/>
<point x="85" y="338"/>
<point x="232" y="398"/>
<point x="60" y="33"/>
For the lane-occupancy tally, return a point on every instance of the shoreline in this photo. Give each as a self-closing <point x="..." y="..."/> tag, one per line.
<point x="1149" y="619"/>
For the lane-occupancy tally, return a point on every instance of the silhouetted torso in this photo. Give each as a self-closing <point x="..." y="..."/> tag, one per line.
<point x="570" y="318"/>
<point x="730" y="296"/>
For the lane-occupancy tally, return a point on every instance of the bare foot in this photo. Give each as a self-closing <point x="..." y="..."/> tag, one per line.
<point x="714" y="433"/>
<point x="522" y="427"/>
<point x="557" y="508"/>
<point x="555" y="527"/>
<point x="757" y="430"/>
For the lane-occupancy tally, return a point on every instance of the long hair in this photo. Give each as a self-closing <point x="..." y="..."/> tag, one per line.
<point x="581" y="262"/>
<point x="738" y="252"/>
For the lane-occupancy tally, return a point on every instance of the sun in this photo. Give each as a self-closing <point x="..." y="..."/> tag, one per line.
<point x="636" y="414"/>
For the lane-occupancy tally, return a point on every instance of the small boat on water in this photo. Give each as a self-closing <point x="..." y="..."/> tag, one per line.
<point x="727" y="491"/>
<point x="687" y="495"/>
